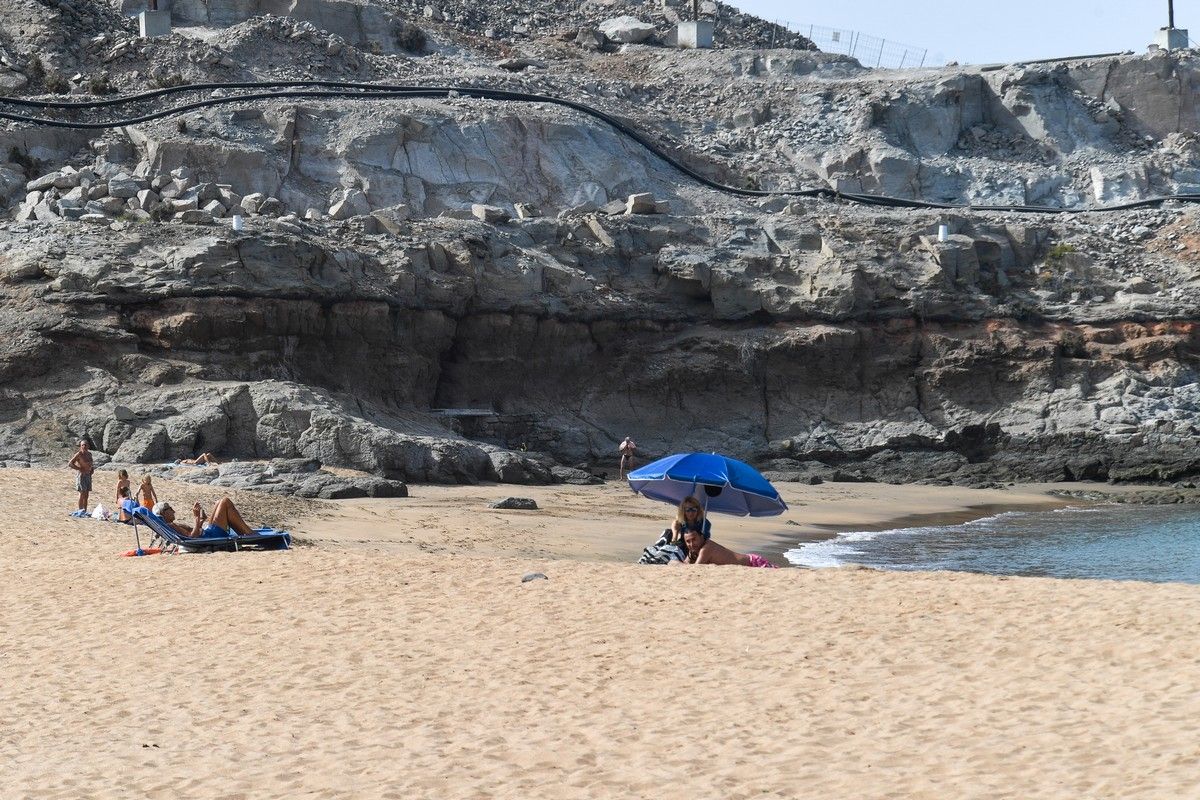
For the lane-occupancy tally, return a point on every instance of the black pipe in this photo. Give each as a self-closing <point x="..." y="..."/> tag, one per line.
<point x="374" y="91"/>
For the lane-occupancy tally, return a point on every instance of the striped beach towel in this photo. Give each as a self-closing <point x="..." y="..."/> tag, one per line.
<point x="663" y="551"/>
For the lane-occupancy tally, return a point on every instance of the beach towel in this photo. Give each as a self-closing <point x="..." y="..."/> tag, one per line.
<point x="758" y="561"/>
<point x="664" y="551"/>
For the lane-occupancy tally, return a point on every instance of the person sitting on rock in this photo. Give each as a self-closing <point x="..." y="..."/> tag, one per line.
<point x="702" y="550"/>
<point x="202" y="460"/>
<point x="225" y="516"/>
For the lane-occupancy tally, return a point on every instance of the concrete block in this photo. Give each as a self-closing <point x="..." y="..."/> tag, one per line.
<point x="695" y="34"/>
<point x="1171" y="38"/>
<point x="154" y="23"/>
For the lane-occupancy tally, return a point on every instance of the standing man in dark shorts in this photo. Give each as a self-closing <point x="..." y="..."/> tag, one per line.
<point x="82" y="462"/>
<point x="627" y="449"/>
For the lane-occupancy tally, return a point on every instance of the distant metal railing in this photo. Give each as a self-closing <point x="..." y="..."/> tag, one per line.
<point x="871" y="51"/>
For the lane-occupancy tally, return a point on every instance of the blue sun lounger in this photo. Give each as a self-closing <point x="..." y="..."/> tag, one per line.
<point x="261" y="539"/>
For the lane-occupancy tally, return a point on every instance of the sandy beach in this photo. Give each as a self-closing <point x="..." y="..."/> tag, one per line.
<point x="410" y="661"/>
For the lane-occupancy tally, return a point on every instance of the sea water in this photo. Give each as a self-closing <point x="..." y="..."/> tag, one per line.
<point x="1120" y="542"/>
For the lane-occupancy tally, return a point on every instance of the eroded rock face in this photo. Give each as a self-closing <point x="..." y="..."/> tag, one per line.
<point x="457" y="290"/>
<point x="431" y="157"/>
<point x="859" y="341"/>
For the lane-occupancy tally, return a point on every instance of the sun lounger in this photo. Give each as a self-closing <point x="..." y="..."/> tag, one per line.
<point x="261" y="539"/>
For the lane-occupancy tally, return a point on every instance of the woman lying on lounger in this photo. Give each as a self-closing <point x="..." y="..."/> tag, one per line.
<point x="225" y="516"/>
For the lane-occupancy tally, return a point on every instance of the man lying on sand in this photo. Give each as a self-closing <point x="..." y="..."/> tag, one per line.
<point x="225" y="516"/>
<point x="705" y="551"/>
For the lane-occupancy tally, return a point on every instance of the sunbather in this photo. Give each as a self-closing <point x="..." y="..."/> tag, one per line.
<point x="122" y="483"/>
<point x="702" y="550"/>
<point x="690" y="516"/>
<point x="224" y="517"/>
<point x="124" y="502"/>
<point x="202" y="460"/>
<point x="670" y="546"/>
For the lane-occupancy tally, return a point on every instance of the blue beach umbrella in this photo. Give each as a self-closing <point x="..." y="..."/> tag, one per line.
<point x="723" y="484"/>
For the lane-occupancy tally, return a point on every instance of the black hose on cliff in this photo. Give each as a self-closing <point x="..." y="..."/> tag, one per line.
<point x="348" y="90"/>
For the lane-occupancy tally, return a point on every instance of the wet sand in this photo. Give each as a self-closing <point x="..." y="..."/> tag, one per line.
<point x="609" y="523"/>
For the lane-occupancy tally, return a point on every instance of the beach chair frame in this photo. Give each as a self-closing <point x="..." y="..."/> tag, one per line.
<point x="262" y="539"/>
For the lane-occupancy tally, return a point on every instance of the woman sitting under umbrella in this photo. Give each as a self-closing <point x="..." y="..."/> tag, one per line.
<point x="727" y="485"/>
<point x="670" y="546"/>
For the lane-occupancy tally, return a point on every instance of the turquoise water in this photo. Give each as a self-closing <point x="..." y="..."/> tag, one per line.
<point x="1120" y="542"/>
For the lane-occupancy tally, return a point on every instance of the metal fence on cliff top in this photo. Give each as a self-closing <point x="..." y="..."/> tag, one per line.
<point x="871" y="51"/>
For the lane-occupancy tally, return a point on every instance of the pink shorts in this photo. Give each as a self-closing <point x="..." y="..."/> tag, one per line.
<point x="758" y="561"/>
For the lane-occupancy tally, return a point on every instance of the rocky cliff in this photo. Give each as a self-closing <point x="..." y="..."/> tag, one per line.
<point x="404" y="257"/>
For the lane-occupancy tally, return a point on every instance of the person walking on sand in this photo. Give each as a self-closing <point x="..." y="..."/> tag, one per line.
<point x="627" y="449"/>
<point x="705" y="551"/>
<point x="83" y="463"/>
